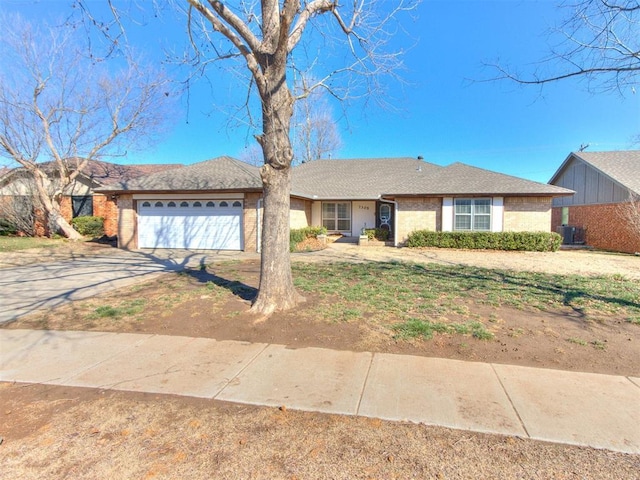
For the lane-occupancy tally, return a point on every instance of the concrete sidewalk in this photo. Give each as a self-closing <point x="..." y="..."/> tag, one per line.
<point x="600" y="411"/>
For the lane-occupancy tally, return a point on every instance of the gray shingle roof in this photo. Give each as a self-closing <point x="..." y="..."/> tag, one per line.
<point x="360" y="178"/>
<point x="222" y="173"/>
<point x="345" y="179"/>
<point x="621" y="166"/>
<point x="461" y="179"/>
<point x="371" y="178"/>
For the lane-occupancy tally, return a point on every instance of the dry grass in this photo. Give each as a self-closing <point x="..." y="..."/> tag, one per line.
<point x="87" y="434"/>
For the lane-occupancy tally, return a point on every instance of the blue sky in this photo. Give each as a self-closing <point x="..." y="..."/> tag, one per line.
<point x="444" y="112"/>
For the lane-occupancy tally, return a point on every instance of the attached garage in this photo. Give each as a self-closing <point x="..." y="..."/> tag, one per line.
<point x="200" y="224"/>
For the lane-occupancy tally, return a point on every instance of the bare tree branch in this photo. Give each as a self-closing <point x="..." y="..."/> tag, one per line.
<point x="630" y="212"/>
<point x="600" y="42"/>
<point x="60" y="109"/>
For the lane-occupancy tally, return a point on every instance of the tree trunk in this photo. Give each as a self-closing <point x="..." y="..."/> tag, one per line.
<point x="276" y="290"/>
<point x="61" y="225"/>
<point x="51" y="208"/>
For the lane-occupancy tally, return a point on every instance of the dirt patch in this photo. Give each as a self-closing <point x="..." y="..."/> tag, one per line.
<point x="62" y="432"/>
<point x="310" y="244"/>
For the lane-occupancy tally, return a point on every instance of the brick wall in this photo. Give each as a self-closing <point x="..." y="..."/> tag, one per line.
<point x="299" y="213"/>
<point x="527" y="214"/>
<point x="127" y="235"/>
<point x="41" y="225"/>
<point x="103" y="207"/>
<point x="422" y="213"/>
<point x="250" y="224"/>
<point x="66" y="208"/>
<point x="106" y="208"/>
<point x="604" y="227"/>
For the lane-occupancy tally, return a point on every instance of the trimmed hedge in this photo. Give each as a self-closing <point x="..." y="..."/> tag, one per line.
<point x="89" y="226"/>
<point x="299" y="235"/>
<point x="377" y="234"/>
<point x="525" y="241"/>
<point x="7" y="228"/>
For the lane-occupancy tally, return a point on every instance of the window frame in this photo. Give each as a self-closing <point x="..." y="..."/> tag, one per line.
<point x="81" y="206"/>
<point x="472" y="215"/>
<point x="335" y="218"/>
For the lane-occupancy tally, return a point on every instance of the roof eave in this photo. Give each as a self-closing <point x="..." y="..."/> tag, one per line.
<point x="563" y="165"/>
<point x="485" y="193"/>
<point x="108" y="191"/>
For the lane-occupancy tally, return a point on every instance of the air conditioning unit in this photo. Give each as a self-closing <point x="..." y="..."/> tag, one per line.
<point x="571" y="235"/>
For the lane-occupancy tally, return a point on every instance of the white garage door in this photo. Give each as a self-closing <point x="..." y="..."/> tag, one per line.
<point x="193" y="224"/>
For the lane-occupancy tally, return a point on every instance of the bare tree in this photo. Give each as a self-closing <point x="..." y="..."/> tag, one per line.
<point x="252" y="155"/>
<point x="265" y="35"/>
<point x="18" y="211"/>
<point x="268" y="40"/>
<point x="61" y="108"/>
<point x="315" y="130"/>
<point x="599" y="41"/>
<point x="630" y="212"/>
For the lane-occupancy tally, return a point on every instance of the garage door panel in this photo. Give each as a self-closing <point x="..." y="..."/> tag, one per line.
<point x="148" y="231"/>
<point x="161" y="231"/>
<point x="192" y="228"/>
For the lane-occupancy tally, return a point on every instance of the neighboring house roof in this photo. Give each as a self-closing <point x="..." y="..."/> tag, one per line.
<point x="372" y="178"/>
<point x="623" y="167"/>
<point x="101" y="173"/>
<point x="106" y="173"/>
<point x="222" y="173"/>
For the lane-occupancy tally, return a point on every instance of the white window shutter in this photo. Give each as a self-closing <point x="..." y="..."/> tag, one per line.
<point x="497" y="213"/>
<point x="447" y="214"/>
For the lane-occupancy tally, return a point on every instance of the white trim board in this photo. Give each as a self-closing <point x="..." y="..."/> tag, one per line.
<point x="188" y="196"/>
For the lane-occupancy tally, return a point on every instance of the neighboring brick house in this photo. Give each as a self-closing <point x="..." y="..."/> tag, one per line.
<point x="216" y="204"/>
<point x="80" y="197"/>
<point x="604" y="182"/>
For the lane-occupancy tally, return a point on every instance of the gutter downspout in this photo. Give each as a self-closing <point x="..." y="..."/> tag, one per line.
<point x="395" y="218"/>
<point x="259" y="225"/>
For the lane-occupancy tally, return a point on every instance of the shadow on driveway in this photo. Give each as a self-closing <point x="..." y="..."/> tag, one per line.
<point x="44" y="285"/>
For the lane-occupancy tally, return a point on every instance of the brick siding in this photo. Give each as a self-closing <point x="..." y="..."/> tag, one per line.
<point x="41" y="227"/>
<point x="66" y="208"/>
<point x="300" y="213"/>
<point x="422" y="213"/>
<point x="127" y="221"/>
<point x="250" y="225"/>
<point x="106" y="208"/>
<point x="604" y="227"/>
<point x="527" y="214"/>
<point x="103" y="206"/>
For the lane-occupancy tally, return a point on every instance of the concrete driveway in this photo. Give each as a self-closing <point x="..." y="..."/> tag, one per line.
<point x="27" y="288"/>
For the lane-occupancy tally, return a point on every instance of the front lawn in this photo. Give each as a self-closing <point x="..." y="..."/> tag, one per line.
<point x="411" y="292"/>
<point x="12" y="244"/>
<point x="557" y="321"/>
